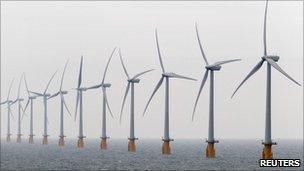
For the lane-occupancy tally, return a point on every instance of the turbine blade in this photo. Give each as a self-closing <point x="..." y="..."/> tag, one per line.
<point x="27" y="103"/>
<point x="47" y="86"/>
<point x="140" y="74"/>
<point x="123" y="65"/>
<point x="10" y="111"/>
<point x="104" y="74"/>
<point x="10" y="87"/>
<point x="173" y="75"/>
<point x="54" y="95"/>
<point x="107" y="103"/>
<point x="153" y="93"/>
<point x="225" y="62"/>
<point x="159" y="54"/>
<point x="19" y="86"/>
<point x="27" y="89"/>
<point x="80" y="73"/>
<point x="254" y="70"/>
<point x="62" y="76"/>
<point x="124" y="100"/>
<point x="77" y="101"/>
<point x="14" y="102"/>
<point x="277" y="67"/>
<point x="38" y="94"/>
<point x="200" y="45"/>
<point x="264" y="31"/>
<point x="199" y="92"/>
<point x="66" y="107"/>
<point x="94" y="87"/>
<point x="3" y="102"/>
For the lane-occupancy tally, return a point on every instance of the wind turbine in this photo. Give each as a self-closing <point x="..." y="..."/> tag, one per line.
<point x="105" y="104"/>
<point x="165" y="75"/>
<point x="131" y="81"/>
<point x="8" y="102"/>
<point x="19" y="100"/>
<point x="271" y="62"/>
<point x="80" y="142"/>
<point x="62" y="106"/>
<point x="210" y="151"/>
<point x="45" y="96"/>
<point x="30" y="102"/>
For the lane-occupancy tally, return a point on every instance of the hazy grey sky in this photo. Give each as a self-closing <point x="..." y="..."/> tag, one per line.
<point x="38" y="37"/>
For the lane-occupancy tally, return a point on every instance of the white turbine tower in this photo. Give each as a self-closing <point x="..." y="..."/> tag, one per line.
<point x="131" y="81"/>
<point x="165" y="75"/>
<point x="271" y="62"/>
<point x="62" y="106"/>
<point x="19" y="100"/>
<point x="210" y="151"/>
<point x="8" y="102"/>
<point x="105" y="104"/>
<point x="30" y="102"/>
<point x="80" y="141"/>
<point x="45" y="96"/>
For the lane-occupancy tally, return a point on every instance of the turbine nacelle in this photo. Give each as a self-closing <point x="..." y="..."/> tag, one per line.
<point x="46" y="95"/>
<point x="106" y="85"/>
<point x="273" y="57"/>
<point x="213" y="67"/>
<point x="81" y="89"/>
<point x="136" y="80"/>
<point x="32" y="97"/>
<point x="63" y="92"/>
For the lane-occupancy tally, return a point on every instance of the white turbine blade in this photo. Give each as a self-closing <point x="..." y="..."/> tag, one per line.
<point x="4" y="102"/>
<point x="124" y="100"/>
<point x="123" y="65"/>
<point x="140" y="74"/>
<point x="24" y="114"/>
<point x="105" y="72"/>
<point x="254" y="70"/>
<point x="62" y="76"/>
<point x="225" y="62"/>
<point x="277" y="67"/>
<point x="200" y="45"/>
<point x="10" y="87"/>
<point x="66" y="107"/>
<point x="27" y="89"/>
<point x="38" y="94"/>
<point x="80" y="73"/>
<point x="199" y="92"/>
<point x="77" y="102"/>
<point x="19" y="85"/>
<point x="27" y="103"/>
<point x="107" y="103"/>
<point x="181" y="77"/>
<point x="12" y="115"/>
<point x="159" y="54"/>
<point x="54" y="95"/>
<point x="47" y="86"/>
<point x="153" y="93"/>
<point x="14" y="102"/>
<point x="264" y="31"/>
<point x="94" y="87"/>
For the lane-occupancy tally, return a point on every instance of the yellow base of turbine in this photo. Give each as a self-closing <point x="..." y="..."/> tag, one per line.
<point x="80" y="143"/>
<point x="61" y="141"/>
<point x="210" y="151"/>
<point x="31" y="139"/>
<point x="166" y="147"/>
<point x="45" y="140"/>
<point x="131" y="145"/>
<point x="103" y="144"/>
<point x="267" y="151"/>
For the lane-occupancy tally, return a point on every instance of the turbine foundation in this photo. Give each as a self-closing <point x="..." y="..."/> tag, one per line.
<point x="80" y="142"/>
<point x="103" y="144"/>
<point x="210" y="151"/>
<point x="131" y="145"/>
<point x="267" y="151"/>
<point x="45" y="140"/>
<point x="8" y="138"/>
<point x="19" y="138"/>
<point x="31" y="139"/>
<point x="61" y="141"/>
<point x="166" y="147"/>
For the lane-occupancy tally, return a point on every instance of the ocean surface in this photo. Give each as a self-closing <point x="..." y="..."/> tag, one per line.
<point x="186" y="155"/>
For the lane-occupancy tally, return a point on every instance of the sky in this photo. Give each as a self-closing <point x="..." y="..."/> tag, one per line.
<point x="38" y="37"/>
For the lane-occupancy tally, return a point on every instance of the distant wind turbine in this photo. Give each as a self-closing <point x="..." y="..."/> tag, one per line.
<point x="30" y="102"/>
<point x="210" y="151"/>
<point x="131" y="81"/>
<point x="8" y="102"/>
<point x="271" y="62"/>
<point x="62" y="106"/>
<point x="105" y="104"/>
<point x="165" y="75"/>
<point x="45" y="96"/>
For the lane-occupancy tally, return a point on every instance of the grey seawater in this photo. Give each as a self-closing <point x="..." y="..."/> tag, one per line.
<point x="186" y="155"/>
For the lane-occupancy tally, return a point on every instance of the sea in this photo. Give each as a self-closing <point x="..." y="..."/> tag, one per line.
<point x="187" y="154"/>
